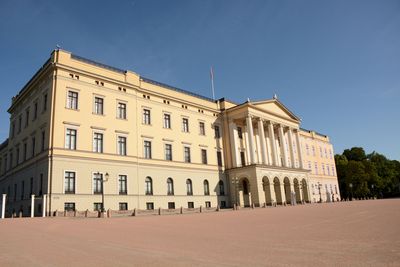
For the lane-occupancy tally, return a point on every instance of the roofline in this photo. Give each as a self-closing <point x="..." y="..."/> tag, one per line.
<point x="317" y="133"/>
<point x="4" y="144"/>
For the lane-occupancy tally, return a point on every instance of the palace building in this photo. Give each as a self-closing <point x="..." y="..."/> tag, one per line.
<point x="83" y="133"/>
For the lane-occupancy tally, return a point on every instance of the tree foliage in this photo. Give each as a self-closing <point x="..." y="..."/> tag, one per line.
<point x="361" y="175"/>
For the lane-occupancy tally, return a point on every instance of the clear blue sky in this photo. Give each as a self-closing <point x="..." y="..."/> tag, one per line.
<point x="336" y="64"/>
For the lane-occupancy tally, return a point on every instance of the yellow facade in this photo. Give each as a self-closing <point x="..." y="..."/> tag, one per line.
<point x="78" y="121"/>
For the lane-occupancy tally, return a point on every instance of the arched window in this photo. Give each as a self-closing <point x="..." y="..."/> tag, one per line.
<point x="206" y="188"/>
<point x="189" y="187"/>
<point x="149" y="186"/>
<point x="170" y="186"/>
<point x="221" y="188"/>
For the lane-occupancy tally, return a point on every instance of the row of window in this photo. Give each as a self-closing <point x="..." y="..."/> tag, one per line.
<point x="322" y="155"/>
<point x="27" y="116"/>
<point x="23" y="190"/>
<point x="98" y="140"/>
<point x="72" y="103"/>
<point x="97" y="206"/>
<point x="21" y="154"/>
<point x="326" y="169"/>
<point x="70" y="181"/>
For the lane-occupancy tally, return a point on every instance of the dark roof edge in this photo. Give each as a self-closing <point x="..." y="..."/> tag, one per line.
<point x="4" y="144"/>
<point x="317" y="133"/>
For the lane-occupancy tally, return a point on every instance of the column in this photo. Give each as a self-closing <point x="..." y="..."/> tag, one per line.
<point x="250" y="134"/>
<point x="273" y="143"/>
<point x="283" y="195"/>
<point x="3" y="206"/>
<point x="291" y="148"/>
<point x="283" y="146"/>
<point x="299" y="150"/>
<point x="32" y="205"/>
<point x="273" y="195"/>
<point x="234" y="144"/>
<point x="262" y="141"/>
<point x="44" y="206"/>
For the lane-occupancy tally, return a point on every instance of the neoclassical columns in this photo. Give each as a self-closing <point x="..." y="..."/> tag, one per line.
<point x="299" y="152"/>
<point x="234" y="144"/>
<point x="262" y="141"/>
<point x="273" y="144"/>
<point x="250" y="134"/>
<point x="283" y="146"/>
<point x="291" y="148"/>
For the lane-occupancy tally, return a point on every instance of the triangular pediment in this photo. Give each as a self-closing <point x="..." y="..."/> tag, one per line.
<point x="274" y="106"/>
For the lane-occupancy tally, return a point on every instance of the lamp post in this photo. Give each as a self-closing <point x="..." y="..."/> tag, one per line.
<point x="351" y="191"/>
<point x="106" y="176"/>
<point x="372" y="190"/>
<point x="319" y="191"/>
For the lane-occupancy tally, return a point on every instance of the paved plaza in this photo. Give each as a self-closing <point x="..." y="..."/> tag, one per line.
<point x="358" y="233"/>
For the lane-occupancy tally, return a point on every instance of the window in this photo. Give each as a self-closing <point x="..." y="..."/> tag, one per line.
<point x="31" y="186"/>
<point x="148" y="186"/>
<point x="223" y="204"/>
<point x="41" y="185"/>
<point x="185" y="125"/>
<point x="33" y="146"/>
<point x="146" y="116"/>
<point x="69" y="206"/>
<point x="168" y="152"/>
<point x="35" y="110"/>
<point x="15" y="192"/>
<point x="43" y="139"/>
<point x="97" y="183"/>
<point x="307" y="150"/>
<point x="242" y="158"/>
<point x="189" y="187"/>
<point x="25" y="152"/>
<point x="69" y="182"/>
<point x="326" y="153"/>
<point x="204" y="156"/>
<point x="312" y="189"/>
<point x="26" y="118"/>
<point x="208" y="204"/>
<point x="19" y="123"/>
<point x="323" y="168"/>
<point x="217" y="132"/>
<point x="99" y="105"/>
<point x="320" y="152"/>
<point x="121" y="111"/>
<point x="333" y="170"/>
<point x="122" y="184"/>
<point x="97" y="206"/>
<point x="44" y="102"/>
<point x="219" y="158"/>
<point x="17" y="154"/>
<point x="22" y="189"/>
<point x="313" y="151"/>
<point x="122" y="145"/>
<point x="221" y="188"/>
<point x="149" y="205"/>
<point x="12" y="129"/>
<point x="328" y="170"/>
<point x="170" y="187"/>
<point x="70" y="139"/>
<point x="336" y="189"/>
<point x="147" y="149"/>
<point x="123" y="206"/>
<point x="316" y="168"/>
<point x="187" y="154"/>
<point x="190" y="205"/>
<point x="202" y="128"/>
<point x="171" y="205"/>
<point x="206" y="188"/>
<point x="240" y="133"/>
<point x="98" y="142"/>
<point x="309" y="165"/>
<point x="167" y="121"/>
<point x="72" y="100"/>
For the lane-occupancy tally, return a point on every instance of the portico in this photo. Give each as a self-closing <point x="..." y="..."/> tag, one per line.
<point x="266" y="163"/>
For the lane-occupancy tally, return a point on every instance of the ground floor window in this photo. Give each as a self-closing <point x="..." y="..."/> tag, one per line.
<point x="191" y="205"/>
<point x="208" y="204"/>
<point x="150" y="206"/>
<point x="123" y="206"/>
<point x="69" y="206"/>
<point x="223" y="204"/>
<point x="171" y="205"/>
<point x="97" y="206"/>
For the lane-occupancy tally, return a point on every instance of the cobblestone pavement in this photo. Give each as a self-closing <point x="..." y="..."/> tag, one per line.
<point x="358" y="233"/>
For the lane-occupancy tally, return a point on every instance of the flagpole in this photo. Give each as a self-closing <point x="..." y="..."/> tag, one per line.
<point x="212" y="82"/>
